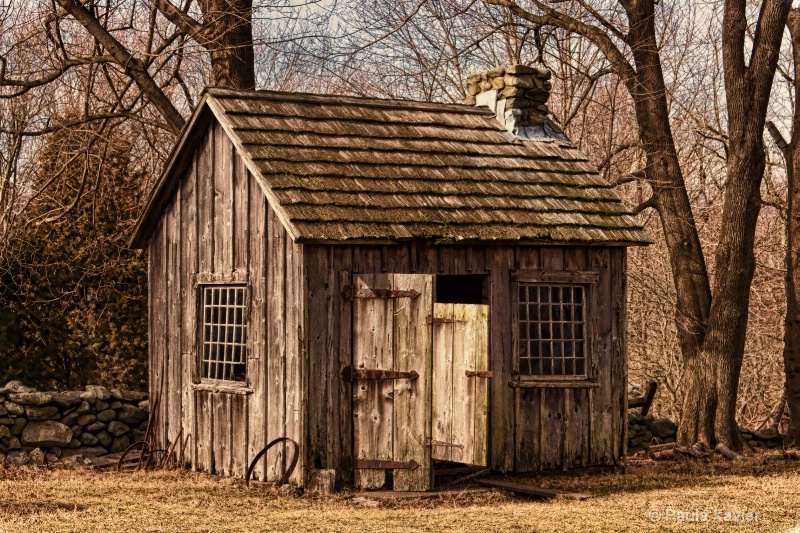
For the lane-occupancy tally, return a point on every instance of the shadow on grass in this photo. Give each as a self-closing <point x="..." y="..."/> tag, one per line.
<point x="21" y="509"/>
<point x="663" y="475"/>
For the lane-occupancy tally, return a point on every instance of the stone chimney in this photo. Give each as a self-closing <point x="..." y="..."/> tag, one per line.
<point x="518" y="96"/>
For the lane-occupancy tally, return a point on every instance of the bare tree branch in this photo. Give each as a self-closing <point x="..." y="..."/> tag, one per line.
<point x="132" y="66"/>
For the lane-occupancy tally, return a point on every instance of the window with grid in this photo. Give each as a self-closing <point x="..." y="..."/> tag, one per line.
<point x="224" y="332"/>
<point x="552" y="330"/>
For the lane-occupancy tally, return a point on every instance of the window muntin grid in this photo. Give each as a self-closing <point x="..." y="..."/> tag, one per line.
<point x="224" y="333"/>
<point x="552" y="330"/>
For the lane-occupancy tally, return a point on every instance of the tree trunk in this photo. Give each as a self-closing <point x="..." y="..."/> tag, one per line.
<point x="723" y="349"/>
<point x="748" y="85"/>
<point x="791" y="346"/>
<point x="711" y="329"/>
<point x="791" y="155"/>
<point x="687" y="262"/>
<point x="229" y="41"/>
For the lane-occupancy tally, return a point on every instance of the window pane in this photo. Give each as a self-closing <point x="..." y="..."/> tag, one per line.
<point x="224" y="333"/>
<point x="567" y="295"/>
<point x="551" y="330"/>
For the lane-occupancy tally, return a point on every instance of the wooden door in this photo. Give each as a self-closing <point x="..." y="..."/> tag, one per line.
<point x="461" y="383"/>
<point x="391" y="371"/>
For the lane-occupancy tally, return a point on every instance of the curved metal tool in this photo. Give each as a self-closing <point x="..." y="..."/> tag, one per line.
<point x="260" y="454"/>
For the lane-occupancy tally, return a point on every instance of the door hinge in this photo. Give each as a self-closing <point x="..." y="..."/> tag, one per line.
<point x="351" y="374"/>
<point x="351" y="293"/>
<point x="479" y="373"/>
<point x="431" y="442"/>
<point x="439" y="320"/>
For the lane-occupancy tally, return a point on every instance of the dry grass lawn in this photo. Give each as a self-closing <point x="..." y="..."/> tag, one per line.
<point x="76" y="500"/>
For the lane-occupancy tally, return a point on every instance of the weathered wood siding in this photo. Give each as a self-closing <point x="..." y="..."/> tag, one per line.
<point x="218" y="227"/>
<point x="530" y="428"/>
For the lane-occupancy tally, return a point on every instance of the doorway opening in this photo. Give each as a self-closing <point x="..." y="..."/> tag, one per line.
<point x="462" y="289"/>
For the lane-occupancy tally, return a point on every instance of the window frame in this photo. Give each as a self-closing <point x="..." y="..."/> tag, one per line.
<point x="585" y="279"/>
<point x="199" y="374"/>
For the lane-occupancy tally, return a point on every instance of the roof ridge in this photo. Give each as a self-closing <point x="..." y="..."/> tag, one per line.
<point x="341" y="99"/>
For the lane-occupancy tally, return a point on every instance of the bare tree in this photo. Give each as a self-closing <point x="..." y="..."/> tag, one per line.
<point x="791" y="155"/>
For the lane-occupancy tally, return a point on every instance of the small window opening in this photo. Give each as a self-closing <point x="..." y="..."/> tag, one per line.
<point x="552" y="330"/>
<point x="224" y="333"/>
<point x="465" y="289"/>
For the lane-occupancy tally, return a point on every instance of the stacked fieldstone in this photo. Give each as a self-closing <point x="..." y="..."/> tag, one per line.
<point x="47" y="426"/>
<point x="646" y="431"/>
<point x="520" y="90"/>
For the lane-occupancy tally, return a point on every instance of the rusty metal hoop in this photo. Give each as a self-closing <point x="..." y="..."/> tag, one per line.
<point x="260" y="454"/>
<point x="146" y="451"/>
<point x="138" y="444"/>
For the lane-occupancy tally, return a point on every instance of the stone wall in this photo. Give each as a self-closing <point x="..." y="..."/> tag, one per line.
<point x="48" y="426"/>
<point x="646" y="431"/>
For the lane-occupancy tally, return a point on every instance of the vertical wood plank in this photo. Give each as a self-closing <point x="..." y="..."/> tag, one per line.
<point x="442" y="379"/>
<point x="600" y="335"/>
<point x="372" y="400"/>
<point x="578" y="435"/>
<point x="500" y="260"/>
<point x="276" y="335"/>
<point x="174" y="384"/>
<point x="152" y="354"/>
<point x="223" y="201"/>
<point x="205" y="432"/>
<point x="480" y="387"/>
<point x="463" y="389"/>
<point x="553" y="439"/>
<point x="319" y="302"/>
<point x="345" y="358"/>
<point x="188" y="298"/>
<point x="257" y="371"/>
<point x="205" y="206"/>
<point x="296" y="350"/>
<point x="331" y="353"/>
<point x="412" y="398"/>
<point x="239" y="435"/>
<point x="221" y="429"/>
<point x="619" y="357"/>
<point x="241" y="214"/>
<point x="159" y="310"/>
<point x="527" y="430"/>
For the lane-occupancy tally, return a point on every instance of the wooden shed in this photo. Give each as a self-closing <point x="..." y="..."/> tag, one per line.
<point x="393" y="285"/>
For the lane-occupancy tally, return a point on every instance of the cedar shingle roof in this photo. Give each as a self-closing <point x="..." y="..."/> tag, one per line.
<point x="343" y="168"/>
